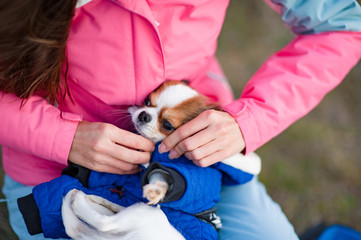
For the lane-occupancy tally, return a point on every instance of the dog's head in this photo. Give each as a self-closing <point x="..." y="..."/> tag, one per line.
<point x="168" y="107"/>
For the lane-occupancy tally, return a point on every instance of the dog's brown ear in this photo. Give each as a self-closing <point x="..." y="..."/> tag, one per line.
<point x="214" y="106"/>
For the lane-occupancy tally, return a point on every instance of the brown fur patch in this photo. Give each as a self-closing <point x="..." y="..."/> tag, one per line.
<point x="184" y="112"/>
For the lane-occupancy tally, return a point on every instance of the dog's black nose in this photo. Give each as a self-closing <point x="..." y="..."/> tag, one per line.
<point x="144" y="117"/>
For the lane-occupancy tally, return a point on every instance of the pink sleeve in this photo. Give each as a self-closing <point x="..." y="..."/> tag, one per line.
<point x="292" y="82"/>
<point x="37" y="128"/>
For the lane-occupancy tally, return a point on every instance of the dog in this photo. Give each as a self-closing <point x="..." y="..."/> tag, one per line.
<point x="171" y="105"/>
<point x="94" y="218"/>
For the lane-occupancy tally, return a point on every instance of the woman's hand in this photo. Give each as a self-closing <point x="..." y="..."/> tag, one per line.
<point x="209" y="138"/>
<point x="105" y="148"/>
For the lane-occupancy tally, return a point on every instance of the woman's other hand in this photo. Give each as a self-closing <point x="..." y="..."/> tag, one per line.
<point x="209" y="138"/>
<point x="106" y="148"/>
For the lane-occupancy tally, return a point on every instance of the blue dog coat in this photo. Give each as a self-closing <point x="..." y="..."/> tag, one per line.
<point x="191" y="213"/>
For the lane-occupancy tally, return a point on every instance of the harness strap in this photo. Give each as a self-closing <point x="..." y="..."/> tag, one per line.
<point x="210" y="216"/>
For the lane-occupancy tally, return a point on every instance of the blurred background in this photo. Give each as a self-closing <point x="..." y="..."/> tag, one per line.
<point x="313" y="168"/>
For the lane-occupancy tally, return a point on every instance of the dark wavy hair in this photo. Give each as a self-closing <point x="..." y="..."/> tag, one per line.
<point x="33" y="35"/>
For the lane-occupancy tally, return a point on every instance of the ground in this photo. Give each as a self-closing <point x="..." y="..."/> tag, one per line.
<point x="312" y="168"/>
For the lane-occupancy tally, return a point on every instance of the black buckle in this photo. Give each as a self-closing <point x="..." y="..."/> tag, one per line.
<point x="210" y="216"/>
<point x="78" y="172"/>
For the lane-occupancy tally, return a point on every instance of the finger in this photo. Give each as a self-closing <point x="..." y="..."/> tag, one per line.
<point x="190" y="128"/>
<point x="211" y="159"/>
<point x="130" y="156"/>
<point x="191" y="143"/>
<point x="132" y="140"/>
<point x="104" y="163"/>
<point x="101" y="160"/>
<point x="110" y="169"/>
<point x="203" y="151"/>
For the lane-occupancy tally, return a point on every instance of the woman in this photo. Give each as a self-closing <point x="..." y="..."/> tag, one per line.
<point x="117" y="52"/>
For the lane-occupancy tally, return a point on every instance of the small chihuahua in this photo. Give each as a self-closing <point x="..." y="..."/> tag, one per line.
<point x="171" y="105"/>
<point x="90" y="217"/>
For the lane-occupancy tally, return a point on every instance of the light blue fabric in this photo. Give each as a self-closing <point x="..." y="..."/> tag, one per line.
<point x="316" y="16"/>
<point x="247" y="213"/>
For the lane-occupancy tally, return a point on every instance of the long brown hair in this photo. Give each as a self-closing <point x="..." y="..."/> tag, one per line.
<point x="33" y="35"/>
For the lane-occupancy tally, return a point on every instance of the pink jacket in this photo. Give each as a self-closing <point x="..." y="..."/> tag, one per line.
<point x="120" y="50"/>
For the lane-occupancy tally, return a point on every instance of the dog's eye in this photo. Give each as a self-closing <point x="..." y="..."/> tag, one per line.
<point x="167" y="125"/>
<point x="147" y="102"/>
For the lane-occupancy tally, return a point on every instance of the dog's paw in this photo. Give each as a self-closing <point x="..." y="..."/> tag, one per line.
<point x="155" y="192"/>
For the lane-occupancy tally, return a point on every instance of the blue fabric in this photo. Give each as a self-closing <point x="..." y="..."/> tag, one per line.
<point x="246" y="210"/>
<point x="203" y="184"/>
<point x="336" y="232"/>
<point x="49" y="198"/>
<point x="202" y="193"/>
<point x="12" y="191"/>
<point x="316" y="16"/>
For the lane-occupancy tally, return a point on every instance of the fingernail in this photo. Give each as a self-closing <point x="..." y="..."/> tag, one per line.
<point x="161" y="148"/>
<point x="173" y="154"/>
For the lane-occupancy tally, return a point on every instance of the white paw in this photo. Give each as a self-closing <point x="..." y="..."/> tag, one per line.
<point x="155" y="192"/>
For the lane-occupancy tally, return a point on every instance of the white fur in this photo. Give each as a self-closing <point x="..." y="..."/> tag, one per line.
<point x="156" y="189"/>
<point x="170" y="97"/>
<point x="250" y="163"/>
<point x="148" y="130"/>
<point x="89" y="217"/>
<point x="174" y="95"/>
